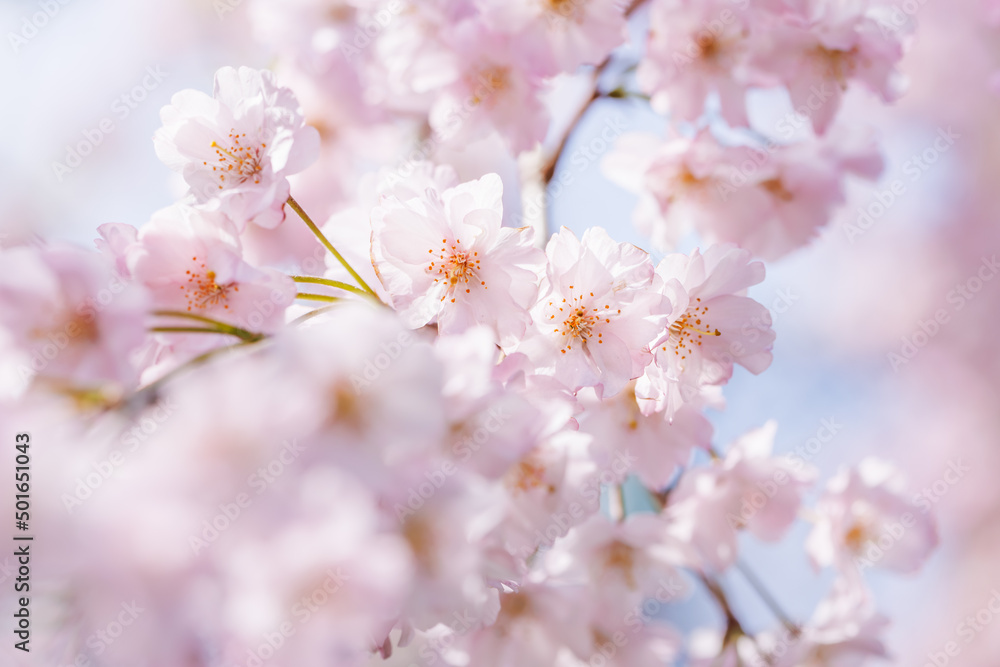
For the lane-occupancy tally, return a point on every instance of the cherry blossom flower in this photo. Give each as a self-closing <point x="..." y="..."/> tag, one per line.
<point x="237" y="148"/>
<point x="563" y="33"/>
<point x="769" y="199"/>
<point x="497" y="88"/>
<point x="445" y="258"/>
<point x="845" y="630"/>
<point x="866" y="519"/>
<point x="191" y="261"/>
<point x="71" y="317"/>
<point x="551" y="489"/>
<point x="596" y="313"/>
<point x="326" y="563"/>
<point x="660" y="446"/>
<point x="697" y="48"/>
<point x="534" y="625"/>
<point x="357" y="365"/>
<point x="683" y="183"/>
<point x="425" y="473"/>
<point x="748" y="489"/>
<point x="490" y="428"/>
<point x="711" y="328"/>
<point x="796" y="190"/>
<point x="632" y="558"/>
<point x="818" y="56"/>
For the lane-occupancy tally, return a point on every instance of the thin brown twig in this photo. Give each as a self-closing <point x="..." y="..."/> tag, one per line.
<point x="549" y="168"/>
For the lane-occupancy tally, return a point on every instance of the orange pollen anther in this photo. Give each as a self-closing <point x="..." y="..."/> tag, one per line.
<point x="203" y="291"/>
<point x="237" y="163"/>
<point x="688" y="331"/>
<point x="454" y="265"/>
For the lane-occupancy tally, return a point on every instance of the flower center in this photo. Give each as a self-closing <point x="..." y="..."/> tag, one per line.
<point x="837" y="64"/>
<point x="420" y="535"/>
<point x="857" y="536"/>
<point x="621" y="557"/>
<point x="580" y="320"/>
<point x="76" y="326"/>
<point x="487" y="81"/>
<point x="671" y="186"/>
<point x="455" y="265"/>
<point x="528" y="474"/>
<point x="565" y="8"/>
<point x="579" y="324"/>
<point x="237" y="163"/>
<point x="776" y="188"/>
<point x="513" y="608"/>
<point x="688" y="331"/>
<point x="202" y="290"/>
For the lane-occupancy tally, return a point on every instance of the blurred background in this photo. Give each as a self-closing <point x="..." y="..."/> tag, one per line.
<point x="887" y="333"/>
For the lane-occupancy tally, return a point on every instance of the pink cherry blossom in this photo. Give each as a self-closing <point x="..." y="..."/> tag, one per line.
<point x="72" y="319"/>
<point x="191" y="261"/>
<point x="660" y="446"/>
<point x="632" y="558"/>
<point x="748" y="489"/>
<point x="770" y="199"/>
<point x="845" y="630"/>
<point x="697" y="48"/>
<point x="832" y="44"/>
<point x="445" y="258"/>
<point x="237" y="148"/>
<point x="796" y="188"/>
<point x="551" y="489"/>
<point x="497" y="87"/>
<point x="866" y="519"/>
<point x="563" y="33"/>
<point x="712" y="327"/>
<point x="358" y="364"/>
<point x="683" y="183"/>
<point x="596" y="313"/>
<point x="503" y="458"/>
<point x="535" y="624"/>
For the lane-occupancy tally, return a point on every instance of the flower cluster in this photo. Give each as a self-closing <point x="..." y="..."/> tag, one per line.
<point x="393" y="430"/>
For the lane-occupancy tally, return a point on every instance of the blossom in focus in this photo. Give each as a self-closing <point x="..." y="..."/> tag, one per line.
<point x="596" y="312"/>
<point x="445" y="258"/>
<point x="191" y="261"/>
<point x="712" y="327"/>
<point x="237" y="148"/>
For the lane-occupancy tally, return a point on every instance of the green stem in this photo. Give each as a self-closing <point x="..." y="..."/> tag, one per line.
<point x="146" y="395"/>
<point x="330" y="283"/>
<point x="311" y="314"/>
<point x="190" y="330"/>
<point x="317" y="297"/>
<point x="220" y="327"/>
<point x="329" y="246"/>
